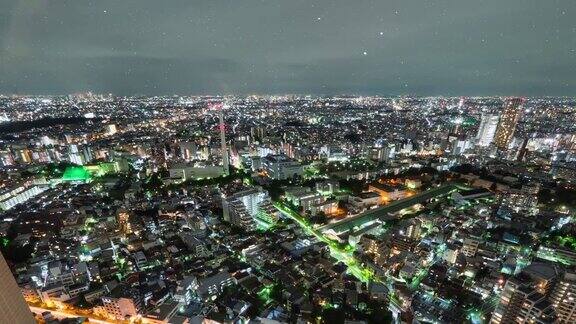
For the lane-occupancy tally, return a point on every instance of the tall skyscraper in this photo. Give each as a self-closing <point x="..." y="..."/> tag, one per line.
<point x="508" y="121"/>
<point x="13" y="308"/>
<point x="225" y="155"/>
<point x="487" y="129"/>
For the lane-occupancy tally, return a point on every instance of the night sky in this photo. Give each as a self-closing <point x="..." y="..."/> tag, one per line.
<point x="434" y="47"/>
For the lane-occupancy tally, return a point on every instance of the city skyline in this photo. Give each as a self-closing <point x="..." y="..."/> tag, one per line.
<point x="172" y="209"/>
<point x="287" y="161"/>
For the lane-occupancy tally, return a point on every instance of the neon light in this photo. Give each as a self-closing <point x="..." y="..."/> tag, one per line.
<point x="76" y="173"/>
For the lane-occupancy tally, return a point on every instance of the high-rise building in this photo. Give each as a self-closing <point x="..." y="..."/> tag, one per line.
<point x="13" y="308"/>
<point x="520" y="302"/>
<point x="225" y="154"/>
<point x="508" y="120"/>
<point x="563" y="298"/>
<point x="487" y="129"/>
<point x="243" y="207"/>
<point x="524" y="298"/>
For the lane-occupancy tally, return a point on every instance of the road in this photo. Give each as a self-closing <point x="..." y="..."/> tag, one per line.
<point x="384" y="212"/>
<point x="62" y="315"/>
<point x="344" y="254"/>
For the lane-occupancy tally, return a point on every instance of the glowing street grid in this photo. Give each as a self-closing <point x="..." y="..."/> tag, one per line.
<point x="345" y="252"/>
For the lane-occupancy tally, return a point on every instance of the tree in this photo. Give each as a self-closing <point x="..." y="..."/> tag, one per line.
<point x="319" y="218"/>
<point x="379" y="312"/>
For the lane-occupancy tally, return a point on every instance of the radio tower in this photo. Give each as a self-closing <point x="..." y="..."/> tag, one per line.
<point x="225" y="162"/>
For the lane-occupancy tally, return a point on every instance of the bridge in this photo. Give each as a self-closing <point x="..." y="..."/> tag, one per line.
<point x="384" y="213"/>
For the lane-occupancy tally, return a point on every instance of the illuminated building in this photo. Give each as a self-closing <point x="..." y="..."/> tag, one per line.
<point x="304" y="199"/>
<point x="111" y="129"/>
<point x="242" y="208"/>
<point x="522" y="151"/>
<point x="19" y="193"/>
<point x="451" y="254"/>
<point x="188" y="150"/>
<point x="225" y="154"/>
<point x="158" y="153"/>
<point x="212" y="286"/>
<point x="508" y="120"/>
<point x="327" y="187"/>
<point x="413" y="183"/>
<point x="524" y="298"/>
<point x="288" y="149"/>
<point x="382" y="152"/>
<point x="521" y="303"/>
<point x="487" y="129"/>
<point x="87" y="154"/>
<point x="6" y="158"/>
<point x="470" y="247"/>
<point x="460" y="146"/>
<point x="74" y="155"/>
<point x="185" y="290"/>
<point x="327" y="207"/>
<point x="389" y="191"/>
<point x="557" y="254"/>
<point x="564" y="298"/>
<point x="121" y="306"/>
<point x="123" y="219"/>
<point x="414" y="230"/>
<point x="525" y="199"/>
<point x="13" y="308"/>
<point x="280" y="167"/>
<point x="372" y="246"/>
<point x="257" y="133"/>
<point x="267" y="213"/>
<point x="26" y="156"/>
<point x="365" y="199"/>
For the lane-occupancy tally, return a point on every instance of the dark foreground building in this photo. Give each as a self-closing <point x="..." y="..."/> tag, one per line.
<point x="13" y="308"/>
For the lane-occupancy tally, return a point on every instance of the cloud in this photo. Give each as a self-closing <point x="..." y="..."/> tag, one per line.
<point x="525" y="47"/>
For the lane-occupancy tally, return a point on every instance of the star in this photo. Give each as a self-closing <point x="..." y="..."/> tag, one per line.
<point x="364" y="53"/>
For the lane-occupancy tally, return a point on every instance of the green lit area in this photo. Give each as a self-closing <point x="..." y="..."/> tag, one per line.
<point x="101" y="169"/>
<point x="345" y="253"/>
<point x="262" y="224"/>
<point x="475" y="316"/>
<point x="76" y="173"/>
<point x="553" y="256"/>
<point x="264" y="220"/>
<point x="312" y="171"/>
<point x="341" y="252"/>
<point x="88" y="172"/>
<point x="567" y="241"/>
<point x="265" y="294"/>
